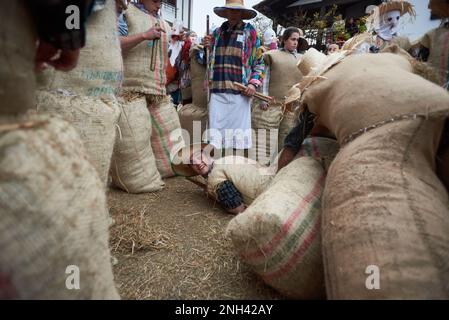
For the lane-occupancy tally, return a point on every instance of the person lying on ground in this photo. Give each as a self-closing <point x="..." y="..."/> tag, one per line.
<point x="233" y="181"/>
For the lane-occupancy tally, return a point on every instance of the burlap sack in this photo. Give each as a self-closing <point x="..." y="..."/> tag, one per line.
<point x="198" y="75"/>
<point x="287" y="123"/>
<point x="383" y="205"/>
<point x="139" y="76"/>
<point x="133" y="166"/>
<point x="265" y="125"/>
<point x="94" y="119"/>
<point x="194" y="121"/>
<point x="249" y="177"/>
<point x="53" y="215"/>
<point x="437" y="41"/>
<point x="283" y="73"/>
<point x="17" y="43"/>
<point x="99" y="71"/>
<point x="279" y="234"/>
<point x="166" y="138"/>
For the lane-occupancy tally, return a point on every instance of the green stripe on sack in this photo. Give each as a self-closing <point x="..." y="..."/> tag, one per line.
<point x="293" y="242"/>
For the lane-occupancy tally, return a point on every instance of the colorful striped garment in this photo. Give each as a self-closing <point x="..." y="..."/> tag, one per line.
<point x="234" y="58"/>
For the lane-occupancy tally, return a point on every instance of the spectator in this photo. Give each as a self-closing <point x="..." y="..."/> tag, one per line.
<point x="233" y="58"/>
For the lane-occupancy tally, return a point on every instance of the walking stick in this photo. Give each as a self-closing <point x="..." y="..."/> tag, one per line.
<point x="153" y="52"/>
<point x="206" y="57"/>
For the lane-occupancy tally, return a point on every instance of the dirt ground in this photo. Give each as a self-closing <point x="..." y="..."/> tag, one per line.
<point x="171" y="245"/>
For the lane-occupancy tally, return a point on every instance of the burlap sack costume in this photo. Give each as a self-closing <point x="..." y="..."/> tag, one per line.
<point x="249" y="177"/>
<point x="194" y="117"/>
<point x="279" y="234"/>
<point x="133" y="166"/>
<point x="52" y="203"/>
<point x="145" y="73"/>
<point x="383" y="204"/>
<point x="276" y="121"/>
<point x="99" y="71"/>
<point x="85" y="96"/>
<point x="95" y="120"/>
<point x="437" y="41"/>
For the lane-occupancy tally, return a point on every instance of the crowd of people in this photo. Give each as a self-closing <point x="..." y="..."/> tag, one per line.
<point x="255" y="86"/>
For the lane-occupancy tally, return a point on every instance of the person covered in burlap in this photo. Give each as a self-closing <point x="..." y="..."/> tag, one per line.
<point x="145" y="38"/>
<point x="383" y="204"/>
<point x="434" y="45"/>
<point x="54" y="218"/>
<point x="383" y="28"/>
<point x="235" y="182"/>
<point x="234" y="46"/>
<point x="280" y="75"/>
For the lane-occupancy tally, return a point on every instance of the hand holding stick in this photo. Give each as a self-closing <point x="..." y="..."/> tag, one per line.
<point x="257" y="95"/>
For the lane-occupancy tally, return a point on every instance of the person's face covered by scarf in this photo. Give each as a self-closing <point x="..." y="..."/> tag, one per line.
<point x="389" y="25"/>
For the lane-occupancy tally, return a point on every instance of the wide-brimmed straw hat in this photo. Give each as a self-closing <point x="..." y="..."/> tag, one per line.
<point x="311" y="59"/>
<point x="181" y="161"/>
<point x="439" y="8"/>
<point x="235" y="5"/>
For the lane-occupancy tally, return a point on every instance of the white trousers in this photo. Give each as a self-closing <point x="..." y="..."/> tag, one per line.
<point x="230" y="121"/>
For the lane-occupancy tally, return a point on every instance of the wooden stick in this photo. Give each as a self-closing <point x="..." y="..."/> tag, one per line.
<point x="257" y="95"/>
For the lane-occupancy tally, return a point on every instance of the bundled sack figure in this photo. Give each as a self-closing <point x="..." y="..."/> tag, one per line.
<point x="383" y="28"/>
<point x="279" y="235"/>
<point x="383" y="204"/>
<point x="194" y="116"/>
<point x="54" y="218"/>
<point x="434" y="44"/>
<point x="145" y="39"/>
<point x="235" y="182"/>
<point x="86" y="96"/>
<point x="279" y="76"/>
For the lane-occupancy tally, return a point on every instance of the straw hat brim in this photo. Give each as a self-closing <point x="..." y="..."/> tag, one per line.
<point x="403" y="7"/>
<point x="247" y="13"/>
<point x="181" y="161"/>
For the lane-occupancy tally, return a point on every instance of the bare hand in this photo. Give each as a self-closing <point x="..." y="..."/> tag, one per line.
<point x="264" y="106"/>
<point x="207" y="41"/>
<point x="153" y="33"/>
<point x="63" y="60"/>
<point x="241" y="208"/>
<point x="250" y="90"/>
<point x="285" y="158"/>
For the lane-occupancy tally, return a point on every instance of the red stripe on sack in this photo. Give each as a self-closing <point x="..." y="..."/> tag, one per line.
<point x="270" y="246"/>
<point x="315" y="148"/>
<point x="165" y="132"/>
<point x="297" y="255"/>
<point x="444" y="59"/>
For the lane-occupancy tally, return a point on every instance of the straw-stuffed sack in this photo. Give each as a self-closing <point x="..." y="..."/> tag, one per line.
<point x="99" y="71"/>
<point x="54" y="218"/>
<point x="145" y="64"/>
<point x="278" y="236"/>
<point x="166" y="138"/>
<point x="194" y="121"/>
<point x="94" y="119"/>
<point x="265" y="125"/>
<point x="437" y="41"/>
<point x="198" y="75"/>
<point x="249" y="177"/>
<point x="383" y="204"/>
<point x="133" y="166"/>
